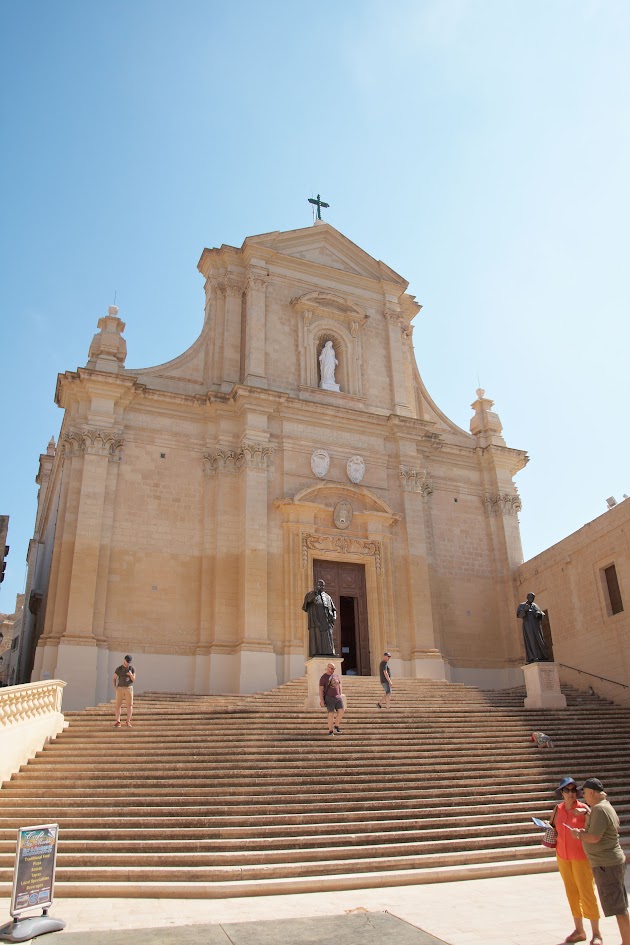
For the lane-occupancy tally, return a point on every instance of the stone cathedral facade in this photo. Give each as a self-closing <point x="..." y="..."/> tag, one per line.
<point x="187" y="508"/>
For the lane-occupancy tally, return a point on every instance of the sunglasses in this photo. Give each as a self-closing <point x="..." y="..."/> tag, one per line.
<point x="569" y="790"/>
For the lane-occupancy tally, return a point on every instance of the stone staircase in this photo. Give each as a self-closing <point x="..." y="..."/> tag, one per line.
<point x="213" y="796"/>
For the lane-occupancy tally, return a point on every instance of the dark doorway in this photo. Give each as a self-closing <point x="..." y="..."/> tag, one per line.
<point x="545" y="626"/>
<point x="348" y="633"/>
<point x="345" y="582"/>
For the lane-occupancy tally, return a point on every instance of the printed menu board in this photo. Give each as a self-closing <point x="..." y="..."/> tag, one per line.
<point x="34" y="873"/>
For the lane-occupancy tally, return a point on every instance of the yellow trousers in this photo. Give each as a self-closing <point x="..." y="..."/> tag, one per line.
<point x="577" y="877"/>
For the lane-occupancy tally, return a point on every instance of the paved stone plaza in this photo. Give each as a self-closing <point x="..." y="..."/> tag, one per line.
<point x="510" y="910"/>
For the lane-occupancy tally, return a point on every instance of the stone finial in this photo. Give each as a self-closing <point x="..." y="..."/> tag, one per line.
<point x="108" y="349"/>
<point x="485" y="424"/>
<point x="52" y="446"/>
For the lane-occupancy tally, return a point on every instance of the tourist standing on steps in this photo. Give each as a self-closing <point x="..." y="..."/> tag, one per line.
<point x="330" y="696"/>
<point x="573" y="865"/>
<point x="124" y="677"/>
<point x="386" y="679"/>
<point x="600" y="837"/>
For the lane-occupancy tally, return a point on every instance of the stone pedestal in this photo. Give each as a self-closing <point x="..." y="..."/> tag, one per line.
<point x="543" y="687"/>
<point x="315" y="668"/>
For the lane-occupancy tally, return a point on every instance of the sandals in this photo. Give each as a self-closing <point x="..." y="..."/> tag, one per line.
<point x="576" y="936"/>
<point x="596" y="940"/>
<point x="116" y="724"/>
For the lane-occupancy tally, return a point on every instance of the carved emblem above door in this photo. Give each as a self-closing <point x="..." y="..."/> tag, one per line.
<point x="343" y="514"/>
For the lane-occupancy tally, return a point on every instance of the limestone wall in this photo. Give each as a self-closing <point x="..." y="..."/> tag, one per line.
<point x="569" y="582"/>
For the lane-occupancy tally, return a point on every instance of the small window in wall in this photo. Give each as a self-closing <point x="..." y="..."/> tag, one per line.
<point x="612" y="586"/>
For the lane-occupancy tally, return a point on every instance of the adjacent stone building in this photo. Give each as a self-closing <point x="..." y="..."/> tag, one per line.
<point x="188" y="507"/>
<point x="583" y="585"/>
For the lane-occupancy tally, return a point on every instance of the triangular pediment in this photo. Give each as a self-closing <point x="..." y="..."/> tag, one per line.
<point x="324" y="245"/>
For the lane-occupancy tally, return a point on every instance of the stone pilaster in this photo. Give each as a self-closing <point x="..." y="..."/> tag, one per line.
<point x="253" y="463"/>
<point x="501" y="503"/>
<point x="255" y="331"/>
<point x="232" y="333"/>
<point x="93" y="451"/>
<point x="417" y="489"/>
<point x="397" y="363"/>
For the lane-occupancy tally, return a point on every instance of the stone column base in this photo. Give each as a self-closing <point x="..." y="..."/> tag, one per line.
<point x="315" y="668"/>
<point x="543" y="687"/>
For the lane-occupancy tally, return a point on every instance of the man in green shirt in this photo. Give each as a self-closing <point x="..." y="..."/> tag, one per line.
<point x="600" y="838"/>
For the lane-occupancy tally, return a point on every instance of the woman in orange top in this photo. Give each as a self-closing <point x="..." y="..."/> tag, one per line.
<point x="572" y="862"/>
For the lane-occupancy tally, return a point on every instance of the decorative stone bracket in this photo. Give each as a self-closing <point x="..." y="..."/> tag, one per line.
<point x="397" y="318"/>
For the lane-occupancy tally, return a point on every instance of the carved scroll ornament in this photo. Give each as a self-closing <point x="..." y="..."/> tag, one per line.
<point x="340" y="544"/>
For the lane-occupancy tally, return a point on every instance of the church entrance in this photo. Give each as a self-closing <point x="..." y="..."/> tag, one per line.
<point x="345" y="582"/>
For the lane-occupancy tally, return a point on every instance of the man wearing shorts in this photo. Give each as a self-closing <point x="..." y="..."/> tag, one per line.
<point x="330" y="696"/>
<point x="600" y="838"/>
<point x="386" y="680"/>
<point x="123" y="679"/>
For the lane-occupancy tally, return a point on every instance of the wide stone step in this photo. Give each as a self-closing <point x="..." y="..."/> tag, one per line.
<point x="297" y="884"/>
<point x="296" y="855"/>
<point x="298" y="840"/>
<point x="150" y="874"/>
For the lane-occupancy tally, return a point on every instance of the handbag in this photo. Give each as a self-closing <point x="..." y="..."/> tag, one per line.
<point x="550" y="836"/>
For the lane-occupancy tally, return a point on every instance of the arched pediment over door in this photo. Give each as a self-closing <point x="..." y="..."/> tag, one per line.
<point x="339" y="522"/>
<point x="326" y="316"/>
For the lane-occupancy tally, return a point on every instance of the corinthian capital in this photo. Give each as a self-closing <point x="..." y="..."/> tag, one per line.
<point x="93" y="443"/>
<point x="257" y="280"/>
<point x="502" y="503"/>
<point x="416" y="480"/>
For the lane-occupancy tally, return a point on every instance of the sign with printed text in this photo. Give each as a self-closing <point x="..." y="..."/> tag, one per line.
<point x="34" y="873"/>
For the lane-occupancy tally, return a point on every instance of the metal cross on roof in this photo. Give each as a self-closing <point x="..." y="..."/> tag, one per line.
<point x="319" y="203"/>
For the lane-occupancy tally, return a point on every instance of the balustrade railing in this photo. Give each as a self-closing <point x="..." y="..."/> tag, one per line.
<point x="30" y="701"/>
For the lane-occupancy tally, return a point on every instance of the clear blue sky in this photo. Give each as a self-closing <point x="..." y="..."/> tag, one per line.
<point x="481" y="149"/>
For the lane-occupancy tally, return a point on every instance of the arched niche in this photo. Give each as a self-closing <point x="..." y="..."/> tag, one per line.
<point x="325" y="316"/>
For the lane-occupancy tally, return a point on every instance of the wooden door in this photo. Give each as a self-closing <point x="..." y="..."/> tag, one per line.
<point x="345" y="582"/>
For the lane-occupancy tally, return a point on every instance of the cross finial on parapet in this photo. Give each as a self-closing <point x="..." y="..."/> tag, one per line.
<point x="319" y="203"/>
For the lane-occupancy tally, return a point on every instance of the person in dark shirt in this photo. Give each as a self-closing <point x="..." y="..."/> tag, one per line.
<point x="386" y="680"/>
<point x="123" y="679"/>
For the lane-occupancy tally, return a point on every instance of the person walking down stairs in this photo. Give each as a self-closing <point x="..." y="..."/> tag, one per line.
<point x="330" y="696"/>
<point x="386" y="680"/>
<point x="123" y="679"/>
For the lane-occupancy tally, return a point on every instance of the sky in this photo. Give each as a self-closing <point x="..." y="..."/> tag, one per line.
<point x="481" y="148"/>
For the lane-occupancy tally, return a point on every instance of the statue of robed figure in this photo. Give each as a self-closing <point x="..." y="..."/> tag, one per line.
<point x="322" y="614"/>
<point x="535" y="646"/>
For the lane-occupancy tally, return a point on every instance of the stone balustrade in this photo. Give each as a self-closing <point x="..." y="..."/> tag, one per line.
<point x="30" y="715"/>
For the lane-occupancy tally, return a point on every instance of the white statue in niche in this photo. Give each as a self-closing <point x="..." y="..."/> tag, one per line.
<point x="327" y="364"/>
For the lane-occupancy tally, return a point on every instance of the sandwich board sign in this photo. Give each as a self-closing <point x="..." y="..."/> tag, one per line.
<point x="33" y="883"/>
